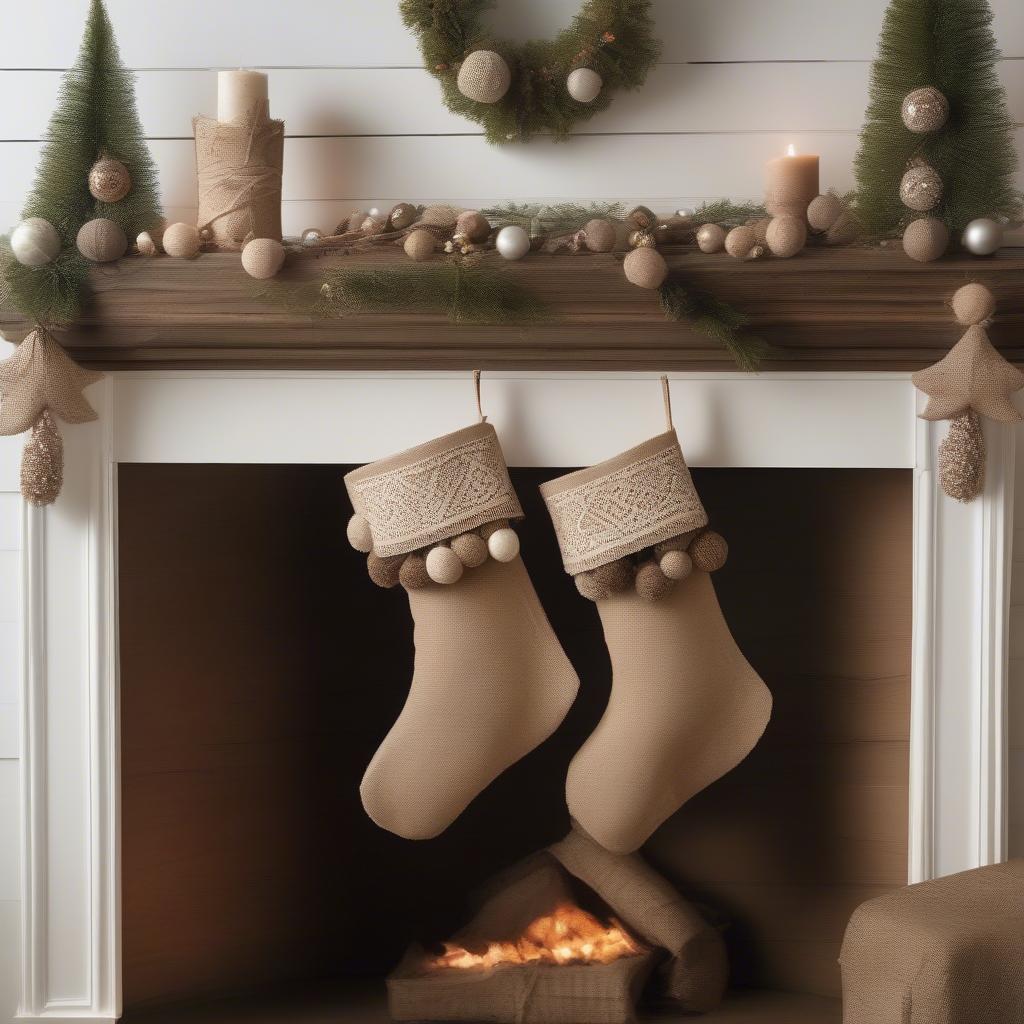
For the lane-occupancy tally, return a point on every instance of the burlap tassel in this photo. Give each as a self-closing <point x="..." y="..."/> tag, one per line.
<point x="962" y="458"/>
<point x="240" y="165"/>
<point x="42" y="462"/>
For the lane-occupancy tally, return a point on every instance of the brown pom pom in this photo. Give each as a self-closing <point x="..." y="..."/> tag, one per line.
<point x="109" y="180"/>
<point x="676" y="565"/>
<point x="740" y="242"/>
<point x="181" y="241"/>
<point x="384" y="571"/>
<point x="101" y="240"/>
<point x="711" y="238"/>
<point x="484" y="77"/>
<point x="42" y="463"/>
<point x="646" y="268"/>
<point x="413" y="574"/>
<point x="787" y="236"/>
<point x="471" y="549"/>
<point x="262" y="258"/>
<point x="599" y="235"/>
<point x="420" y="245"/>
<point x="709" y="551"/>
<point x="488" y="528"/>
<point x="591" y="587"/>
<point x="925" y="239"/>
<point x="651" y="583"/>
<point x="962" y="458"/>
<point x="973" y="304"/>
<point x="680" y="543"/>
<point x="616" y="576"/>
<point x="823" y="212"/>
<point x="473" y="225"/>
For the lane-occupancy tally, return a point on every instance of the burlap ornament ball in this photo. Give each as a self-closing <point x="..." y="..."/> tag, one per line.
<point x="651" y="583"/>
<point x="921" y="188"/>
<point x="761" y="230"/>
<point x="440" y="215"/>
<point x="503" y="545"/>
<point x="646" y="268"/>
<point x="599" y="235"/>
<point x="709" y="551"/>
<point x="475" y="226"/>
<point x="484" y="77"/>
<point x="359" y="535"/>
<point x="384" y="571"/>
<point x="844" y="231"/>
<point x="101" y="240"/>
<point x="471" y="549"/>
<point x="35" y="242"/>
<point x="787" y="236"/>
<point x="420" y="245"/>
<point x="925" y="110"/>
<point x="182" y="241"/>
<point x="109" y="180"/>
<point x="925" y="239"/>
<point x="741" y="242"/>
<point x="402" y="216"/>
<point x="444" y="566"/>
<point x="146" y="244"/>
<point x="413" y="575"/>
<point x="263" y="258"/>
<point x="711" y="238"/>
<point x="676" y="565"/>
<point x="973" y="304"/>
<point x="823" y="212"/>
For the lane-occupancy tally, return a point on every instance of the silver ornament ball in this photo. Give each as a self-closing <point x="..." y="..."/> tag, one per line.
<point x="312" y="236"/>
<point x="925" y="110"/>
<point x="513" y="242"/>
<point x="983" y="237"/>
<point x="921" y="188"/>
<point x="584" y="85"/>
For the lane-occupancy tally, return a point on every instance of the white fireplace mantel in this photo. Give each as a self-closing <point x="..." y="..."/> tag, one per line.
<point x="962" y="558"/>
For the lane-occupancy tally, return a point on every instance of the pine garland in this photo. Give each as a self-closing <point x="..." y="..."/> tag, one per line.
<point x="95" y="116"/>
<point x="947" y="44"/>
<point x="613" y="37"/>
<point x="557" y="219"/>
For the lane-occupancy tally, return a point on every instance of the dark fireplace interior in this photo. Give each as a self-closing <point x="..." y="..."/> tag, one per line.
<point x="260" y="668"/>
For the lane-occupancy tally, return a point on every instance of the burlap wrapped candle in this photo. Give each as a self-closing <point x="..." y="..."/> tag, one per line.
<point x="240" y="164"/>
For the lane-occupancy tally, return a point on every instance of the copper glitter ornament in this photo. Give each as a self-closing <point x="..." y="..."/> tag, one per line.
<point x="925" y="110"/>
<point x="921" y="188"/>
<point x="42" y="463"/>
<point x="962" y="458"/>
<point x="109" y="180"/>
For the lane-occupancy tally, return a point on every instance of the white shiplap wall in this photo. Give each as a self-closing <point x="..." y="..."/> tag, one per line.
<point x="740" y="80"/>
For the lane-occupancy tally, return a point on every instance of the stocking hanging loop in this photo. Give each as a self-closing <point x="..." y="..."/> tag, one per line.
<point x="666" y="393"/>
<point x="479" y="400"/>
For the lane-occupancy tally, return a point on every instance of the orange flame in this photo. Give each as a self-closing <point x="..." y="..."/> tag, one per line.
<point x="566" y="936"/>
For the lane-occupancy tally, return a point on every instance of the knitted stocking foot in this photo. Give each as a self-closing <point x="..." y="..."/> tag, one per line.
<point x="686" y="707"/>
<point x="491" y="680"/>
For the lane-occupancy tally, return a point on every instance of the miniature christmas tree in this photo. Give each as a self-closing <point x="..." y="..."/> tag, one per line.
<point x="938" y="142"/>
<point x="95" y="164"/>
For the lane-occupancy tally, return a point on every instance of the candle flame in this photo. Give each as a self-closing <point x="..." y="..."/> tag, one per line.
<point x="791" y="151"/>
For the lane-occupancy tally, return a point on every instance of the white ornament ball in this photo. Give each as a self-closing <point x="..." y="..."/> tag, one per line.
<point x="711" y="238"/>
<point x="983" y="237"/>
<point x="35" y="242"/>
<point x="503" y="545"/>
<point x="484" y="77"/>
<point x="584" y="85"/>
<point x="513" y="242"/>
<point x="181" y="241"/>
<point x="359" y="535"/>
<point x="146" y="244"/>
<point x="263" y="258"/>
<point x="444" y="566"/>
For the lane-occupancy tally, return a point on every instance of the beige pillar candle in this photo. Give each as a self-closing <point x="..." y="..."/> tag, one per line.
<point x="238" y="92"/>
<point x="793" y="181"/>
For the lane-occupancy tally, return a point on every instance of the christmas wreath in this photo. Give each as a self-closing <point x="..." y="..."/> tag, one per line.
<point x="543" y="86"/>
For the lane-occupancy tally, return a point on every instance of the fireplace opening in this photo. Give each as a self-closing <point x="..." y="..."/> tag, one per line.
<point x="259" y="670"/>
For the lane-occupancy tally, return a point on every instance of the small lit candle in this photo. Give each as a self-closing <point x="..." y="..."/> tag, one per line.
<point x="793" y="182"/>
<point x="238" y="92"/>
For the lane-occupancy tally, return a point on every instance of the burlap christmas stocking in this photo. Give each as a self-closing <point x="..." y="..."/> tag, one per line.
<point x="686" y="707"/>
<point x="491" y="680"/>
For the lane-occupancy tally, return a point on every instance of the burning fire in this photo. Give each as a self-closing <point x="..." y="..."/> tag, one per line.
<point x="566" y="936"/>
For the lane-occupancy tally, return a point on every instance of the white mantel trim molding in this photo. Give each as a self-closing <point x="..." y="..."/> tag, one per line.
<point x="70" y="781"/>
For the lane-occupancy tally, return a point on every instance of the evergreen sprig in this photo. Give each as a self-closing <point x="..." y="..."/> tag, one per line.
<point x="947" y="44"/>
<point x="613" y="37"/>
<point x="95" y="116"/>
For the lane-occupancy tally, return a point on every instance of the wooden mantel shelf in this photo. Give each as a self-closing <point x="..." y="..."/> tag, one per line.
<point x="853" y="308"/>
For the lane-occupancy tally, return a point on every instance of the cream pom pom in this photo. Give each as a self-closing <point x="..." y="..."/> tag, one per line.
<point x="646" y="268"/>
<point x="359" y="535"/>
<point x="711" y="238"/>
<point x="262" y="258"/>
<point x="444" y="566"/>
<point x="599" y="235"/>
<point x="471" y="549"/>
<point x="710" y="551"/>
<point x="503" y="545"/>
<point x="35" y="242"/>
<point x="413" y="575"/>
<point x="786" y="236"/>
<point x="973" y="304"/>
<point x="676" y="565"/>
<point x="181" y="241"/>
<point x="484" y="77"/>
<point x="651" y="583"/>
<point x="740" y="242"/>
<point x="926" y="239"/>
<point x="384" y="571"/>
<point x="101" y="240"/>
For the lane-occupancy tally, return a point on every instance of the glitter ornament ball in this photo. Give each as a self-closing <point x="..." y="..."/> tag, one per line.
<point x="312" y="236"/>
<point x="646" y="268"/>
<point x="403" y="216"/>
<point x="109" y="180"/>
<point x="711" y="238"/>
<point x="263" y="258"/>
<point x="921" y="188"/>
<point x="584" y="85"/>
<point x="181" y="241"/>
<point x="925" y="110"/>
<point x="484" y="77"/>
<point x="35" y="242"/>
<point x="513" y="242"/>
<point x="101" y="240"/>
<point x="983" y="237"/>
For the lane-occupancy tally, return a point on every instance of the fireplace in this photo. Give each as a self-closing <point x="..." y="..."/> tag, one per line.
<point x="198" y="717"/>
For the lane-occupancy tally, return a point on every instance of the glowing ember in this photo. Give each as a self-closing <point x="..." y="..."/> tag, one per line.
<point x="566" y="936"/>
